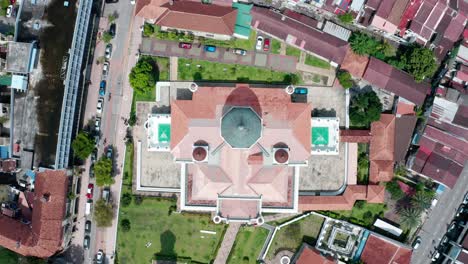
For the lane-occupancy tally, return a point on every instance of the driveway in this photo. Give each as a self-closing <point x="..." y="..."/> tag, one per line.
<point x="163" y="48"/>
<point x="439" y="219"/>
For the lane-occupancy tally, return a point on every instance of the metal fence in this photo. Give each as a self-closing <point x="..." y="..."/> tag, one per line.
<point x="71" y="83"/>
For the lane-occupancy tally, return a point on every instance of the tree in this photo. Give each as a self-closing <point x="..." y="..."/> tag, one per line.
<point x="125" y="225"/>
<point x="103" y="172"/>
<point x="346" y="18"/>
<point x="126" y="199"/>
<point x="112" y="17"/>
<point x="363" y="44"/>
<point x="345" y="79"/>
<point x="83" y="145"/>
<point x="106" y="37"/>
<point x="410" y="217"/>
<point x="419" y="62"/>
<point x="148" y="30"/>
<point x="365" y="108"/>
<point x="422" y="200"/>
<point x="394" y="189"/>
<point x="143" y="76"/>
<point x="103" y="213"/>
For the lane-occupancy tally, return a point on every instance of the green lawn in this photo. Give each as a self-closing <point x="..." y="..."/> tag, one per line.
<point x="291" y="51"/>
<point x="210" y="71"/>
<point x="7" y="256"/>
<point x="163" y="66"/>
<point x="275" y="46"/>
<point x="175" y="235"/>
<point x="291" y="236"/>
<point x="359" y="213"/>
<point x="249" y="242"/>
<point x="316" y="62"/>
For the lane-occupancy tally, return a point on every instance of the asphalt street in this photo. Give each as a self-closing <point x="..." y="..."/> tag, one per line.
<point x="439" y="219"/>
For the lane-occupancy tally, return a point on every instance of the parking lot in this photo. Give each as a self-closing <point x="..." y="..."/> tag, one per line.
<point x="164" y="48"/>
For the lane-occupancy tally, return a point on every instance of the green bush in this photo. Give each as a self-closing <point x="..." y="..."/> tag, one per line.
<point x="345" y="79"/>
<point x="138" y="199"/>
<point x="125" y="225"/>
<point x="126" y="199"/>
<point x="346" y="18"/>
<point x="394" y="189"/>
<point x="148" y="30"/>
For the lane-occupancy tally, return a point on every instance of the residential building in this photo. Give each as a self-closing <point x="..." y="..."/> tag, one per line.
<point x="37" y="223"/>
<point x="443" y="147"/>
<point x="397" y="82"/>
<point x="196" y="18"/>
<point x="300" y="31"/>
<point x="308" y="254"/>
<point x="383" y="250"/>
<point x="387" y="15"/>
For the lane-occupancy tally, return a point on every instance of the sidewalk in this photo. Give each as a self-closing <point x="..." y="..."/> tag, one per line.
<point x="228" y="242"/>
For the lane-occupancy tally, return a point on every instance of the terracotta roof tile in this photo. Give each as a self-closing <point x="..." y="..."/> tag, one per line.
<point x="383" y="138"/>
<point x="196" y="16"/>
<point x="375" y="194"/>
<point x="355" y="136"/>
<point x="44" y="237"/>
<point x="355" y="64"/>
<point x="382" y="251"/>
<point x="308" y="255"/>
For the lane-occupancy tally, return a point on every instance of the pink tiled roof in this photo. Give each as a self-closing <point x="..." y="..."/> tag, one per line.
<point x="404" y="108"/>
<point x="456" y="27"/>
<point x="382" y="251"/>
<point x="382" y="149"/>
<point x="355" y="64"/>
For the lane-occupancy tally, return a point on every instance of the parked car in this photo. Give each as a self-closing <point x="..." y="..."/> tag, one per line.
<point x="239" y="52"/>
<point x="108" y="52"/>
<point x="9" y="11"/>
<point x="87" y="226"/>
<point x="416" y="243"/>
<point x="86" y="242"/>
<point x="112" y="29"/>
<point x="89" y="193"/>
<point x="300" y="90"/>
<point x="97" y="124"/>
<point x="109" y="152"/>
<point x="106" y="194"/>
<point x="266" y="44"/>
<point x="132" y="2"/>
<point x="91" y="171"/>
<point x="461" y="211"/>
<point x="210" y="48"/>
<point x="93" y="156"/>
<point x="435" y="256"/>
<point x="105" y="69"/>
<point x="102" y="88"/>
<point x="100" y="103"/>
<point x="89" y="203"/>
<point x="185" y="45"/>
<point x="465" y="200"/>
<point x="259" y="44"/>
<point x="100" y="257"/>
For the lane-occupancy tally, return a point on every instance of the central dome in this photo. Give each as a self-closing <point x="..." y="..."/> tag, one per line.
<point x="241" y="127"/>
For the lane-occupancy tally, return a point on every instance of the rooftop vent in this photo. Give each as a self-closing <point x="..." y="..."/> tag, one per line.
<point x="281" y="156"/>
<point x="200" y="153"/>
<point x="45" y="197"/>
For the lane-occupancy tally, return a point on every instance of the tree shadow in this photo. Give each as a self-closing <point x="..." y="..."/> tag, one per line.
<point x="73" y="254"/>
<point x="168" y="240"/>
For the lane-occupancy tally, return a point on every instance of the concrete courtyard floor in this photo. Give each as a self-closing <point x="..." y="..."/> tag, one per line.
<point x="325" y="172"/>
<point x="158" y="169"/>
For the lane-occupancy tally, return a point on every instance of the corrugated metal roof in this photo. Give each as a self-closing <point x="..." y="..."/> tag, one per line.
<point x="337" y="31"/>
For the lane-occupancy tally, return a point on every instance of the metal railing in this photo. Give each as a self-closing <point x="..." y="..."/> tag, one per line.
<point x="71" y="83"/>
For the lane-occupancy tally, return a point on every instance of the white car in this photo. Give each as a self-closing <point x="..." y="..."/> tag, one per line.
<point x="108" y="53"/>
<point x="100" y="257"/>
<point x="259" y="45"/>
<point x="100" y="102"/>
<point x="9" y="11"/>
<point x="105" y="69"/>
<point x="132" y="2"/>
<point x="465" y="200"/>
<point x="97" y="124"/>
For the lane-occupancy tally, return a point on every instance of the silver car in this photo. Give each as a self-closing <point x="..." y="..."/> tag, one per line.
<point x="105" y="69"/>
<point x="108" y="52"/>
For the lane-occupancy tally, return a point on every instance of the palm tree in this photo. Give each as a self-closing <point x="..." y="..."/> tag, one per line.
<point x="422" y="200"/>
<point x="410" y="217"/>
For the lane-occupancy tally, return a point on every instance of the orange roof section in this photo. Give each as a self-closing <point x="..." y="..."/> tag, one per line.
<point x="382" y="148"/>
<point x="354" y="63"/>
<point x="309" y="255"/>
<point x="44" y="237"/>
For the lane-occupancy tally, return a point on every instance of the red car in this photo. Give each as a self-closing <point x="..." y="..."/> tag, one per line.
<point x="185" y="45"/>
<point x="89" y="193"/>
<point x="266" y="45"/>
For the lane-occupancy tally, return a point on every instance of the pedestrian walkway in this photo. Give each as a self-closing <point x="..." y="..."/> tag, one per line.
<point x="173" y="66"/>
<point x="228" y="242"/>
<point x="163" y="48"/>
<point x="275" y="217"/>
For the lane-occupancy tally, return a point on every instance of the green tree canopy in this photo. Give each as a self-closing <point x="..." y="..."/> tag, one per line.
<point x="394" y="189"/>
<point x="419" y="62"/>
<point x="126" y="199"/>
<point x="363" y="44"/>
<point x="83" y="145"/>
<point x="106" y="37"/>
<point x="143" y="76"/>
<point x="103" y="213"/>
<point x="364" y="109"/>
<point x="125" y="225"/>
<point x="345" y="79"/>
<point x="410" y="217"/>
<point x="103" y="172"/>
<point x="346" y="18"/>
<point x="422" y="200"/>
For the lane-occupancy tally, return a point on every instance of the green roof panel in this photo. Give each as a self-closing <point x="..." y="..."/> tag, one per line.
<point x="241" y="127"/>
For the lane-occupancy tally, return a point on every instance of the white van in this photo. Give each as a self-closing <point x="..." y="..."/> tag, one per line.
<point x="88" y="207"/>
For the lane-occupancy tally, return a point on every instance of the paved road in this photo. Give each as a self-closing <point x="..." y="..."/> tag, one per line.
<point x="439" y="219"/>
<point x="164" y="48"/>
